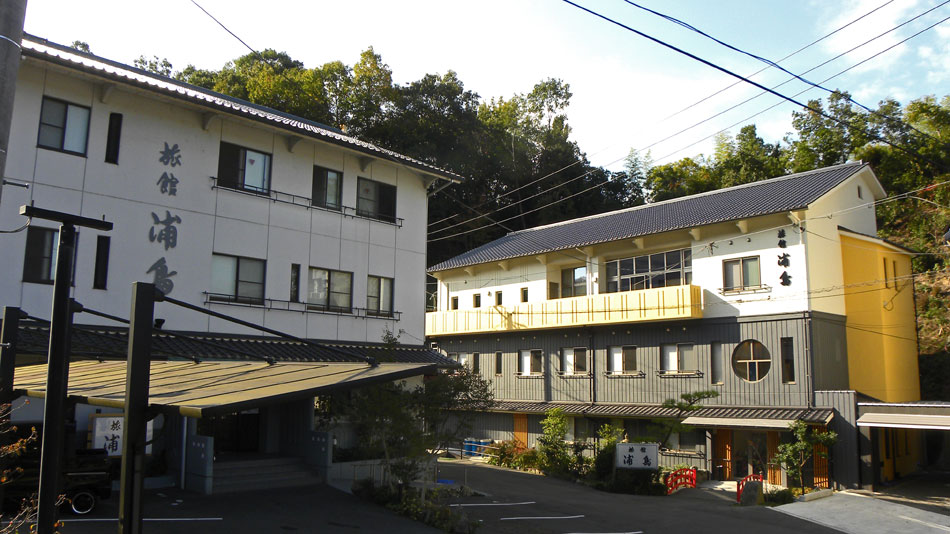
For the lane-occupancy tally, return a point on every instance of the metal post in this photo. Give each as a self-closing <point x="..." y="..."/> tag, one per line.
<point x="136" y="404"/>
<point x="12" y="14"/>
<point x="8" y="338"/>
<point x="57" y="378"/>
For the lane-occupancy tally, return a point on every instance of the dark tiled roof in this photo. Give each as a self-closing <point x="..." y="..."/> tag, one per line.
<point x="809" y="415"/>
<point x="112" y="343"/>
<point x="792" y="192"/>
<point x="47" y="51"/>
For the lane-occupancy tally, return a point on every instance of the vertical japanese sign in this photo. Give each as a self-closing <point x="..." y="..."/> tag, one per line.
<point x="784" y="260"/>
<point x="107" y="434"/>
<point x="163" y="230"/>
<point x="637" y="455"/>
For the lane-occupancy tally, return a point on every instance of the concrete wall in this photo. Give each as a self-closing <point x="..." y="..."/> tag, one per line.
<point x="277" y="228"/>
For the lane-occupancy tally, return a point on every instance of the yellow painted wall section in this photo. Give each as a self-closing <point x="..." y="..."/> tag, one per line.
<point x="881" y="325"/>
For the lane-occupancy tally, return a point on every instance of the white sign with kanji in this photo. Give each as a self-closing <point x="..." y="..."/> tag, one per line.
<point x="637" y="455"/>
<point x="107" y="434"/>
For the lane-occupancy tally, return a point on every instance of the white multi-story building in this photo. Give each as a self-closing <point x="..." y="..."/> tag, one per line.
<point x="226" y="205"/>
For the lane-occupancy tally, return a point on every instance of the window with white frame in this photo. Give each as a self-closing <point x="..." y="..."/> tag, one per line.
<point x="673" y="358"/>
<point x="379" y="296"/>
<point x="622" y="360"/>
<point x="243" y="168"/>
<point x="741" y="274"/>
<point x="376" y="200"/>
<point x="237" y="279"/>
<point x="574" y="282"/>
<point x="327" y="188"/>
<point x="63" y="126"/>
<point x="530" y="362"/>
<point x="662" y="269"/>
<point x="330" y="290"/>
<point x="574" y="360"/>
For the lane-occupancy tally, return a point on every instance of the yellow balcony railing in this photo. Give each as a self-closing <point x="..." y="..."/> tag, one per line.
<point x="661" y="304"/>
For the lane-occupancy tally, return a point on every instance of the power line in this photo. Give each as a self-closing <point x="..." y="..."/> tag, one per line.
<point x="747" y="80"/>
<point x="816" y="41"/>
<point x="774" y="64"/>
<point x="803" y="91"/>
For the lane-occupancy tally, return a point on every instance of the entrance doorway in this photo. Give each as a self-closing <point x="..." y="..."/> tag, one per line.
<point x="237" y="433"/>
<point x="750" y="453"/>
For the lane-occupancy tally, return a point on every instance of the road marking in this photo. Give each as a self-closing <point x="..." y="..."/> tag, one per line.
<point x="496" y="504"/>
<point x="929" y="524"/>
<point x="92" y="520"/>
<point x="542" y="517"/>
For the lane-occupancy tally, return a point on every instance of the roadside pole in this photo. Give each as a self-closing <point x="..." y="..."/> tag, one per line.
<point x="12" y="15"/>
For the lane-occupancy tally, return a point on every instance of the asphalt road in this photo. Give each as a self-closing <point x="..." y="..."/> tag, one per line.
<point x="523" y="503"/>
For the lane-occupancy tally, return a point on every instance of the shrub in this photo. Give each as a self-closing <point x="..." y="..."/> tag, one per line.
<point x="637" y="482"/>
<point x="553" y="457"/>
<point x="604" y="462"/>
<point x="506" y="454"/>
<point x="779" y="497"/>
<point x="528" y="460"/>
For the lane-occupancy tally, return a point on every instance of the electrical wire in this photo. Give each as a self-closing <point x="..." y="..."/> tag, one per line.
<point x="20" y="229"/>
<point x="775" y="65"/>
<point x="816" y="41"/>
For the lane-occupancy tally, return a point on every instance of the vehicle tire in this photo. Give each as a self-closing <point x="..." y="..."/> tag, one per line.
<point x="82" y="502"/>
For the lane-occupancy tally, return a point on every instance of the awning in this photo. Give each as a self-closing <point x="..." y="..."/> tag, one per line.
<point x="212" y="388"/>
<point x="905" y="420"/>
<point x="777" y="424"/>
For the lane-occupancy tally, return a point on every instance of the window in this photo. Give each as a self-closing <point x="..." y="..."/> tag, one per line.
<point x="112" y="138"/>
<point x="742" y="273"/>
<point x="327" y="188"/>
<point x="530" y="362"/>
<point x="524" y="294"/>
<point x="498" y="362"/>
<point x="751" y="361"/>
<point x="574" y="361"/>
<point x="475" y="363"/>
<point x="673" y="358"/>
<point x="236" y="279"/>
<point x="376" y="200"/>
<point x="663" y="269"/>
<point x="39" y="262"/>
<point x="294" y="282"/>
<point x="860" y="193"/>
<point x="498" y="298"/>
<point x="574" y="282"/>
<point x="243" y="168"/>
<point x="455" y="303"/>
<point x="101" y="273"/>
<point x="379" y="296"/>
<point x="476" y="300"/>
<point x="788" y="360"/>
<point x="622" y="360"/>
<point x="330" y="290"/>
<point x="63" y="126"/>
<point x="715" y="373"/>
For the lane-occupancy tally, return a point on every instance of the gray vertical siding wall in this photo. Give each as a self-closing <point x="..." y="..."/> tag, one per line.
<point x="844" y="453"/>
<point x="829" y="352"/>
<point x="648" y="338"/>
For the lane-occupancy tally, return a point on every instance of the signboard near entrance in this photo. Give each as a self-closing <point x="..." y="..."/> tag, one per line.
<point x="107" y="433"/>
<point x="637" y="455"/>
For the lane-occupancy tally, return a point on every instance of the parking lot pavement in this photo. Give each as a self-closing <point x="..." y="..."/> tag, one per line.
<point x="307" y="510"/>
<point x="522" y="503"/>
<point x="859" y="514"/>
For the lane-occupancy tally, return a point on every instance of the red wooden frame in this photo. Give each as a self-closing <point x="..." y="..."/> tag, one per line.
<point x="681" y="478"/>
<point x="742" y="482"/>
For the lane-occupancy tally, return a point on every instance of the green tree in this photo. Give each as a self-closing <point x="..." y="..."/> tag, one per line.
<point x="795" y="455"/>
<point x="82" y="46"/>
<point x="553" y="454"/>
<point x="685" y="405"/>
<point x="156" y="65"/>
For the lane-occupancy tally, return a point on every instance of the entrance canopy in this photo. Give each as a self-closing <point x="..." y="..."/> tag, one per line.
<point x="215" y="387"/>
<point x="929" y="415"/>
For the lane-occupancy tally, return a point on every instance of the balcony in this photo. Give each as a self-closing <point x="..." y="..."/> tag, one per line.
<point x="661" y="304"/>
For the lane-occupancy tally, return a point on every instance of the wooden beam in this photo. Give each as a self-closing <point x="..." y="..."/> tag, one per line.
<point x="470" y="270"/>
<point x="364" y="162"/>
<point x="796" y="216"/>
<point x="504" y="265"/>
<point x="542" y="259"/>
<point x="206" y="119"/>
<point x="743" y="226"/>
<point x="638" y="243"/>
<point x="292" y="141"/>
<point x="696" y="233"/>
<point x="105" y="92"/>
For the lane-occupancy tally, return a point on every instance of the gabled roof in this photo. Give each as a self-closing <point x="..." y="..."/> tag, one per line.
<point x="777" y="195"/>
<point x="42" y="49"/>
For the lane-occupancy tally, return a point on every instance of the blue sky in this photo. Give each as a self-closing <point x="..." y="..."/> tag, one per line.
<point x="625" y="87"/>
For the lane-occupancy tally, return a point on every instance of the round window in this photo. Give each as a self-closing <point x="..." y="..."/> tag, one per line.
<point x="751" y="360"/>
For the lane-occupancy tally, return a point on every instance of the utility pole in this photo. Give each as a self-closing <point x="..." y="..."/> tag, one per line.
<point x="12" y="15"/>
<point x="57" y="363"/>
